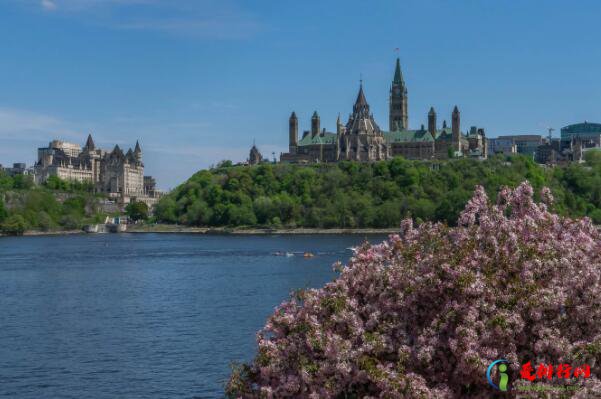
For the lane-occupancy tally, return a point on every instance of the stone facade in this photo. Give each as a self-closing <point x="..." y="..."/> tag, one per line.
<point x="254" y="157"/>
<point x="119" y="175"/>
<point x="361" y="139"/>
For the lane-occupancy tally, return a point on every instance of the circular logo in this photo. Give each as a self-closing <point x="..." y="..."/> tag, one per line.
<point x="504" y="378"/>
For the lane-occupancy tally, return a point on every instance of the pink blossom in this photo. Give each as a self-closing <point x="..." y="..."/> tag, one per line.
<point x="423" y="314"/>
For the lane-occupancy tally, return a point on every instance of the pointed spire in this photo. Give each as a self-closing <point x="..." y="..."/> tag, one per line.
<point x="455" y="110"/>
<point x="361" y="101"/>
<point x="117" y="151"/>
<point x="315" y="115"/>
<point x="432" y="112"/>
<point x="90" y="143"/>
<point x="137" y="149"/>
<point x="398" y="76"/>
<point x="293" y="116"/>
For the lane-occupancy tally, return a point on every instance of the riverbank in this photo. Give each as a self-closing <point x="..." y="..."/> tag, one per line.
<point x="178" y="229"/>
<point x="35" y="233"/>
<point x="169" y="228"/>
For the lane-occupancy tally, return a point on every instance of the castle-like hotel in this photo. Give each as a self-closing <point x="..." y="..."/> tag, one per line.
<point x="361" y="138"/>
<point x="119" y="175"/>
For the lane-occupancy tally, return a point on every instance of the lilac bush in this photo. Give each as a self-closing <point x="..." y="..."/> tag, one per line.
<point x="424" y="313"/>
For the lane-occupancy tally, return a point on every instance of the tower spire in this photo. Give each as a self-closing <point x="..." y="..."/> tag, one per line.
<point x="398" y="75"/>
<point x="398" y="114"/>
<point x="90" y="143"/>
<point x="361" y="102"/>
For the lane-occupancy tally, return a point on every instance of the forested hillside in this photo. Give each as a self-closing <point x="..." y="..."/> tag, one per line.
<point x="350" y="194"/>
<point x="56" y="205"/>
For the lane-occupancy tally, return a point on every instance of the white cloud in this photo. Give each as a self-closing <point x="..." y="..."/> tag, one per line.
<point x="17" y="124"/>
<point x="48" y="5"/>
<point x="222" y="19"/>
<point x="23" y="131"/>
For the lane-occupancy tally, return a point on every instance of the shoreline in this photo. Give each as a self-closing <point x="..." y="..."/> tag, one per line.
<point x="176" y="229"/>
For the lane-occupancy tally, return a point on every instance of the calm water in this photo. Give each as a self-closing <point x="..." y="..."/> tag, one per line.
<point x="143" y="316"/>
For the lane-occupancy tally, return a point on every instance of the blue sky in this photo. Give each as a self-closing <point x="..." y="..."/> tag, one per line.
<point x="196" y="81"/>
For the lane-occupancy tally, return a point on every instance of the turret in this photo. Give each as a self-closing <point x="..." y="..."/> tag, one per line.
<point x="455" y="128"/>
<point x="432" y="122"/>
<point x="314" y="124"/>
<point x="338" y="125"/>
<point x="292" y="133"/>
<point x="138" y="152"/>
<point x="90" y="146"/>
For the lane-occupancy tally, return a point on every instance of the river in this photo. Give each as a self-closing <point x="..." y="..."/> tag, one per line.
<point x="144" y="315"/>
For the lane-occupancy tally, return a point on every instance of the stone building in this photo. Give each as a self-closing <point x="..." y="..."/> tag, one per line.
<point x="526" y="144"/>
<point x="119" y="175"/>
<point x="18" y="168"/>
<point x="361" y="139"/>
<point x="254" y="157"/>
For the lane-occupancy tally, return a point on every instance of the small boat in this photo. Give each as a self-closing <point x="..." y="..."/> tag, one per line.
<point x="289" y="254"/>
<point x="308" y="255"/>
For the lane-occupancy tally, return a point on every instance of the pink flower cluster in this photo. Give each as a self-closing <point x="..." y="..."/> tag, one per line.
<point x="424" y="313"/>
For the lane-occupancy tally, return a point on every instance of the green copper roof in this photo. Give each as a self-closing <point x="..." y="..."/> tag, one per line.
<point x="399" y="136"/>
<point x="326" y="138"/>
<point x="402" y="136"/>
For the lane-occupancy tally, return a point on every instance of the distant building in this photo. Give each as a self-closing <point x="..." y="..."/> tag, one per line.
<point x="362" y="139"/>
<point x="150" y="187"/>
<point x="549" y="152"/>
<point x="18" y="168"/>
<point x="526" y="144"/>
<point x="589" y="134"/>
<point x="574" y="142"/>
<point x="119" y="175"/>
<point x="254" y="157"/>
<point x="502" y="146"/>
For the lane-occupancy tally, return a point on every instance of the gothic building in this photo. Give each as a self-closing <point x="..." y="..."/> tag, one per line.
<point x="119" y="175"/>
<point x="361" y="138"/>
<point x="254" y="157"/>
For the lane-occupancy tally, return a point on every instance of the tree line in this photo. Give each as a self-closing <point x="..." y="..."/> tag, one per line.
<point x="368" y="195"/>
<point x="58" y="204"/>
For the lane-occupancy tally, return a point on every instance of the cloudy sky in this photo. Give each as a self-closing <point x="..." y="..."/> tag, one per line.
<point x="197" y="80"/>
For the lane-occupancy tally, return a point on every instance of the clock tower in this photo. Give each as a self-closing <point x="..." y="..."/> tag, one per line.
<point x="398" y="115"/>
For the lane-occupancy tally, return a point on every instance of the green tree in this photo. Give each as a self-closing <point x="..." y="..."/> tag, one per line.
<point x="137" y="210"/>
<point x="3" y="211"/>
<point x="354" y="194"/>
<point x="14" y="225"/>
<point x="71" y="222"/>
